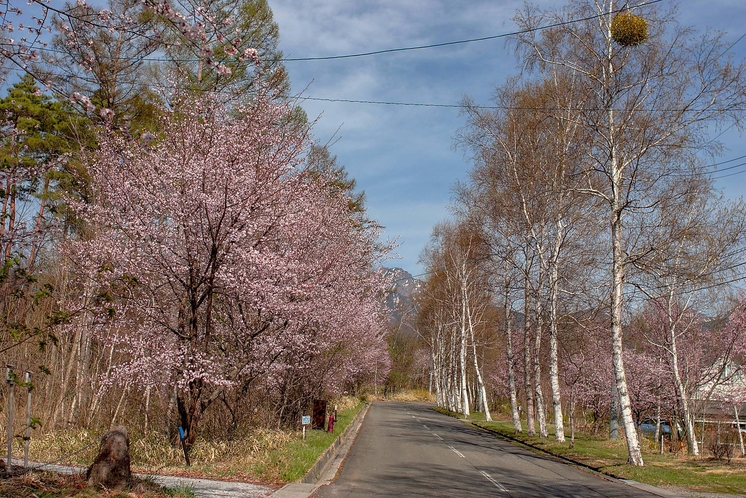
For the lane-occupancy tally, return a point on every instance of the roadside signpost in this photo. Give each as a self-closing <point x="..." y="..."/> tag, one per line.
<point x="305" y="420"/>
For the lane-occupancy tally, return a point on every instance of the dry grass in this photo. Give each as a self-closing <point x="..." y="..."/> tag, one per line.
<point x="154" y="451"/>
<point x="257" y="455"/>
<point x="411" y="395"/>
<point x="345" y="403"/>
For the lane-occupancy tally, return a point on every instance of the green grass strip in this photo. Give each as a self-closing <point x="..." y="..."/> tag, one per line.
<point x="291" y="462"/>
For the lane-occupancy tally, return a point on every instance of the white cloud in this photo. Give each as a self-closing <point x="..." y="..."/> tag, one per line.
<point x="402" y="156"/>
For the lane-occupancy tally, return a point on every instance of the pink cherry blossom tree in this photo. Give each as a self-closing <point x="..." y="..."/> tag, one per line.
<point x="726" y="380"/>
<point x="587" y="374"/>
<point x="696" y="357"/>
<point x="213" y="258"/>
<point x="93" y="52"/>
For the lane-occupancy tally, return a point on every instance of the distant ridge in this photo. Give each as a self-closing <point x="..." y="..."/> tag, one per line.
<point x="400" y="300"/>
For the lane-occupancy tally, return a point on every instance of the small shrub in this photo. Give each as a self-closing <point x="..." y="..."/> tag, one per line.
<point x="628" y="29"/>
<point x="722" y="447"/>
<point x="182" y="490"/>
<point x="674" y="446"/>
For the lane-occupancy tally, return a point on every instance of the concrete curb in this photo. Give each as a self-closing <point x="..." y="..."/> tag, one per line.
<point x="317" y="470"/>
<point x="325" y="462"/>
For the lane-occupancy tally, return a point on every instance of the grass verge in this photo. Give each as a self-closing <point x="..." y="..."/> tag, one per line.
<point x="675" y="471"/>
<point x="292" y="462"/>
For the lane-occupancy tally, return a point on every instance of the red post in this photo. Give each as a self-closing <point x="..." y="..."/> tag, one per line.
<point x="330" y="426"/>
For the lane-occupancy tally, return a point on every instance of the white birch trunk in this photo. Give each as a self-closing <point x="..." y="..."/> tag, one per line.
<point x="618" y="263"/>
<point x="480" y="382"/>
<point x="572" y="418"/>
<point x="436" y="373"/>
<point x="511" y="367"/>
<point x="454" y="385"/>
<point x="530" y="427"/>
<point x="559" y="427"/>
<point x="633" y="444"/>
<point x="738" y="429"/>
<point x="683" y="400"/>
<point x="59" y="411"/>
<point x="462" y="362"/>
<point x="540" y="406"/>
<point x="147" y="409"/>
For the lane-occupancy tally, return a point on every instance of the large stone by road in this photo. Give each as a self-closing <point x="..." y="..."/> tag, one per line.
<point x="406" y="449"/>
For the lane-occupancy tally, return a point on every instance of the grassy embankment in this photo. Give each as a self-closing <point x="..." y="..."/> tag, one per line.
<point x="669" y="470"/>
<point x="263" y="456"/>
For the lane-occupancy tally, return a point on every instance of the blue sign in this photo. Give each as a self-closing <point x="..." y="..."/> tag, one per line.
<point x="306" y="419"/>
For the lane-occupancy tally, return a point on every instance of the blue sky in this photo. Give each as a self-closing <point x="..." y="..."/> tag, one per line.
<point x="403" y="156"/>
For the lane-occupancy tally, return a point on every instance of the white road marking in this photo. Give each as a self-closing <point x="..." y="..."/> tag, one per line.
<point x="489" y="478"/>
<point x="426" y="427"/>
<point x="456" y="451"/>
<point x="437" y="436"/>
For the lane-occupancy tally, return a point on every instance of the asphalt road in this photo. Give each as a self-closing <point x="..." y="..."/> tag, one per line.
<point x="406" y="449"/>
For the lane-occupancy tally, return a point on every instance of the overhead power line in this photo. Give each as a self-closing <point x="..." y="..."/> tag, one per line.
<point x="391" y="103"/>
<point x="729" y="161"/>
<point x="463" y="106"/>
<point x="460" y="42"/>
<point x="361" y="54"/>
<point x="712" y="168"/>
<point x="731" y="174"/>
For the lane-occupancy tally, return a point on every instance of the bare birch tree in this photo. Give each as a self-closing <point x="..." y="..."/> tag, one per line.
<point x="456" y="299"/>
<point x="533" y="146"/>
<point x="647" y="105"/>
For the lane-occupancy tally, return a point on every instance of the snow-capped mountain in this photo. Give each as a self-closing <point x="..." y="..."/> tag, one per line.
<point x="400" y="298"/>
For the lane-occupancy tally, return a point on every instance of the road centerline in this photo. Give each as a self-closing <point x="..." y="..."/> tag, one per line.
<point x="493" y="481"/>
<point x="457" y="452"/>
<point x="392" y="457"/>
